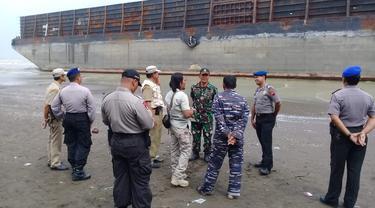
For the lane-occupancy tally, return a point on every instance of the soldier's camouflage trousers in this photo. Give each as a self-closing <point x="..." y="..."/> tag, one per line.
<point x="197" y="129"/>
<point x="219" y="150"/>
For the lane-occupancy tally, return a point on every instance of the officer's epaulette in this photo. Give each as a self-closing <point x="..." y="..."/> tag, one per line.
<point x="336" y="91"/>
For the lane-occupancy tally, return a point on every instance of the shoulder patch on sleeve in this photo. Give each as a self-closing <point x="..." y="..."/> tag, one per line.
<point x="271" y="90"/>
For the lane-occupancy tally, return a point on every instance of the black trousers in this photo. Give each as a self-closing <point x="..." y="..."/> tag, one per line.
<point x="343" y="150"/>
<point x="132" y="169"/>
<point x="77" y="138"/>
<point x="264" y="127"/>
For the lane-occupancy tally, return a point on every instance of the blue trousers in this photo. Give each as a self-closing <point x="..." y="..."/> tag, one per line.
<point x="235" y="154"/>
<point x="77" y="138"/>
<point x="344" y="151"/>
<point x="264" y="128"/>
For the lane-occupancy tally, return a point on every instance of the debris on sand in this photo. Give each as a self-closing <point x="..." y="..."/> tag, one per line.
<point x="199" y="201"/>
<point x="108" y="188"/>
<point x="308" y="194"/>
<point x="27" y="164"/>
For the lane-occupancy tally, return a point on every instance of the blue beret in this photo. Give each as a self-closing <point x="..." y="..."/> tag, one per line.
<point x="260" y="73"/>
<point x="351" y="71"/>
<point x="73" y="72"/>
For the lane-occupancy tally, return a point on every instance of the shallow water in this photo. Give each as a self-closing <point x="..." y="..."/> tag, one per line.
<point x="302" y="100"/>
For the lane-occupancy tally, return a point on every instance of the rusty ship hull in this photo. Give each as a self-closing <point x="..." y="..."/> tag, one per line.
<point x="290" y="36"/>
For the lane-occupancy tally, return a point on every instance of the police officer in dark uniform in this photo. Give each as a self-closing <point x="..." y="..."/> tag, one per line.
<point x="130" y="121"/>
<point x="349" y="109"/>
<point x="263" y="118"/>
<point x="79" y="114"/>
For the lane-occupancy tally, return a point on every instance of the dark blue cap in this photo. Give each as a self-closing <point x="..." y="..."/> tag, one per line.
<point x="260" y="73"/>
<point x="131" y="73"/>
<point x="72" y="72"/>
<point x="352" y="71"/>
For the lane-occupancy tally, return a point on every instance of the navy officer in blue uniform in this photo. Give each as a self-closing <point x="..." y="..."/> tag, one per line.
<point x="231" y="113"/>
<point x="351" y="109"/>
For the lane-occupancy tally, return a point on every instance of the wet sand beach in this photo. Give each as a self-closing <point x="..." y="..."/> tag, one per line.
<point x="301" y="151"/>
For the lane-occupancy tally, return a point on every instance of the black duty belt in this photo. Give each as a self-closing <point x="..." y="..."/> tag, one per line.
<point x="144" y="136"/>
<point x="128" y="136"/>
<point x="348" y="127"/>
<point x="264" y="114"/>
<point x="77" y="114"/>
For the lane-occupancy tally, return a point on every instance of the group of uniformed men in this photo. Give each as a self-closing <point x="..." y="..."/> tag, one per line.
<point x="135" y="125"/>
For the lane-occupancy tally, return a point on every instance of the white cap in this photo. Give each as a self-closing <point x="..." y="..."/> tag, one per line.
<point x="152" y="69"/>
<point x="195" y="67"/>
<point x="58" y="72"/>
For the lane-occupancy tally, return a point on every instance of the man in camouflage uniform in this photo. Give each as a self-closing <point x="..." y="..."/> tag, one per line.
<point x="202" y="94"/>
<point x="231" y="113"/>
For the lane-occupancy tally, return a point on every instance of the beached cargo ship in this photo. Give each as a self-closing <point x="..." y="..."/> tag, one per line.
<point x="292" y="36"/>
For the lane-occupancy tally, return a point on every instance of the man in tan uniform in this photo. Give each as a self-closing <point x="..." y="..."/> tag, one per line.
<point x="56" y="129"/>
<point x="152" y="95"/>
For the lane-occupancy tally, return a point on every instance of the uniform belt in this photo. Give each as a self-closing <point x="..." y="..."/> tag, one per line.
<point x="264" y="114"/>
<point x="84" y="113"/>
<point x="144" y="136"/>
<point x="126" y="135"/>
<point x="348" y="127"/>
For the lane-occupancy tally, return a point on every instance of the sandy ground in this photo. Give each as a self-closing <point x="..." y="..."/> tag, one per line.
<point x="301" y="143"/>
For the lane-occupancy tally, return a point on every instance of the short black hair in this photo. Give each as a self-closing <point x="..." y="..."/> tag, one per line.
<point x="149" y="75"/>
<point x="56" y="78"/>
<point x="176" y="80"/>
<point x="230" y="81"/>
<point x="352" y="80"/>
<point x="73" y="78"/>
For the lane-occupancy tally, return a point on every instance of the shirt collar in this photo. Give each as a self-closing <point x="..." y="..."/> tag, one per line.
<point x="264" y="87"/>
<point x="74" y="83"/>
<point x="57" y="83"/>
<point x="199" y="85"/>
<point x="149" y="79"/>
<point x="122" y="89"/>
<point x="351" y="86"/>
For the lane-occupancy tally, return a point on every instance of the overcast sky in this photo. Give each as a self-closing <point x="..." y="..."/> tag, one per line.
<point x="12" y="10"/>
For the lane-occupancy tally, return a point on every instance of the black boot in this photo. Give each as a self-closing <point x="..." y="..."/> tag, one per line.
<point x="329" y="203"/>
<point x="206" y="157"/>
<point x="259" y="165"/>
<point x="79" y="174"/>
